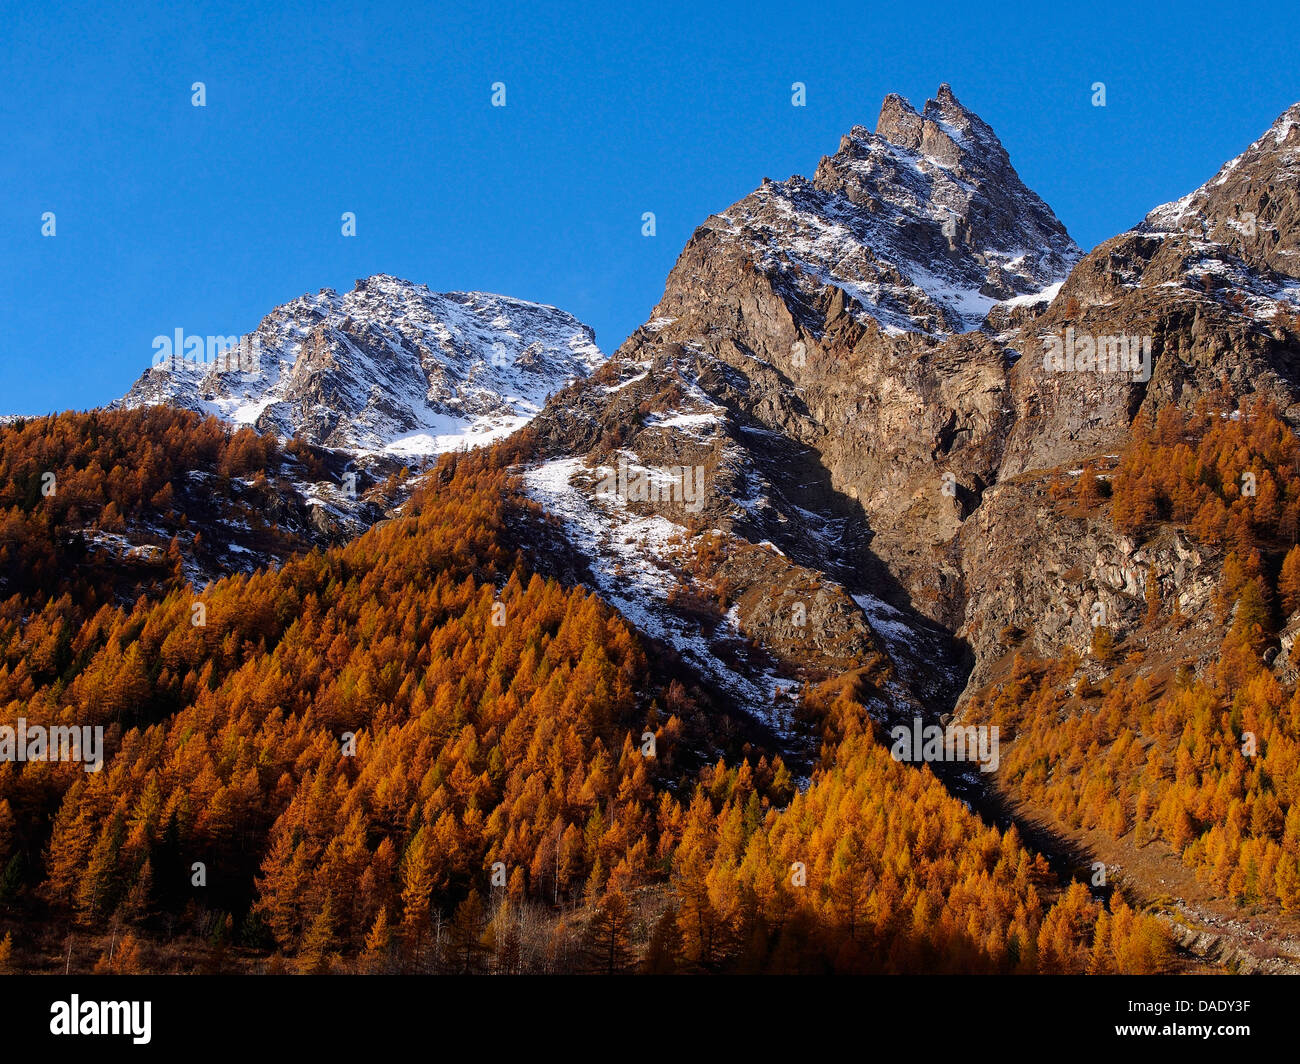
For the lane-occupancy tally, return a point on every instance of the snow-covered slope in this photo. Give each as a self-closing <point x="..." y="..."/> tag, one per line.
<point x="388" y="367"/>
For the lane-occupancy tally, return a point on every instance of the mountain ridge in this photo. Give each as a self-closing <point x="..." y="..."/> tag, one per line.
<point x="388" y="368"/>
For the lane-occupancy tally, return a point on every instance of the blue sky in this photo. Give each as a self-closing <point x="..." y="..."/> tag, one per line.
<point x="172" y="216"/>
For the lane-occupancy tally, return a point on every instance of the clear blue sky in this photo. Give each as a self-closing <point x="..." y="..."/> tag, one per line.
<point x="205" y="219"/>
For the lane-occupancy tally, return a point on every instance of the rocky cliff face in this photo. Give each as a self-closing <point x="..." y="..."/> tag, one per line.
<point x="389" y="367"/>
<point x="1210" y="278"/>
<point x="835" y="436"/>
<point x="823" y="354"/>
<point x="858" y="365"/>
<point x="1211" y="281"/>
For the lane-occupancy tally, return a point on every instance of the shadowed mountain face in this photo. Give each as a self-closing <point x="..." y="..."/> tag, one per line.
<point x="856" y="363"/>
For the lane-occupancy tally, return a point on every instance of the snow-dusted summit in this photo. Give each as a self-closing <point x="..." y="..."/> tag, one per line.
<point x="388" y="367"/>
<point x="1250" y="209"/>
<point x="924" y="223"/>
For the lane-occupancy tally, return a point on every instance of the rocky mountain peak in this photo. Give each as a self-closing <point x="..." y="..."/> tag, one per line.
<point x="923" y="226"/>
<point x="960" y="204"/>
<point x="945" y="132"/>
<point x="387" y="367"/>
<point x="1250" y="208"/>
<point x="824" y="358"/>
<point x="899" y="123"/>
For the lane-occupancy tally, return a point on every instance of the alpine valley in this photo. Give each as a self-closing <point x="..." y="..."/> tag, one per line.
<point x="438" y="639"/>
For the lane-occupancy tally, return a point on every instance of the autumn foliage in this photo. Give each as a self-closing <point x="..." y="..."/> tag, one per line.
<point x="416" y="752"/>
<point x="1231" y="477"/>
<point x="71" y="482"/>
<point x="1206" y="765"/>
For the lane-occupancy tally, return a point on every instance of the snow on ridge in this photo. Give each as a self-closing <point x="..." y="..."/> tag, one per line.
<point x="1169" y="217"/>
<point x="390" y="367"/>
<point x="602" y="529"/>
<point x="1033" y="298"/>
<point x="882" y="222"/>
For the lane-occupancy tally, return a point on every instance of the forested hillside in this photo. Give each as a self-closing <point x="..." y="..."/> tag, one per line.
<point x="1203" y="763"/>
<point x="414" y="753"/>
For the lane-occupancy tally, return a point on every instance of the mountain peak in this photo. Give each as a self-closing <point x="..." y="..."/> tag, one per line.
<point x="945" y="131"/>
<point x="945" y="106"/>
<point x="1251" y="206"/>
<point x="899" y="122"/>
<point x="924" y="224"/>
<point x="389" y="366"/>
